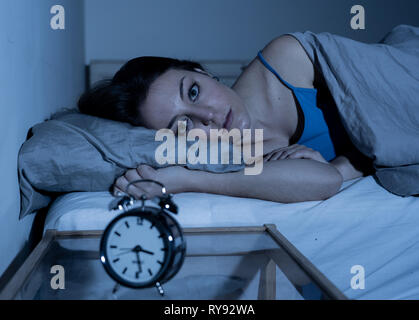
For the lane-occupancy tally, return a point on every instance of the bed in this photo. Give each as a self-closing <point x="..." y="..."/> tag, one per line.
<point x="361" y="225"/>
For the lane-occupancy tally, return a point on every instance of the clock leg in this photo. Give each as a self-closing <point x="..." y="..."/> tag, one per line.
<point x="115" y="288"/>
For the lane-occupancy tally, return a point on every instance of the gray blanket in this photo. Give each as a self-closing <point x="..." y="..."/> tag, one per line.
<point x="376" y="90"/>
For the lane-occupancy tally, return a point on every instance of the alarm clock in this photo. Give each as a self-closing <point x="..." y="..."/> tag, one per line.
<point x="144" y="245"/>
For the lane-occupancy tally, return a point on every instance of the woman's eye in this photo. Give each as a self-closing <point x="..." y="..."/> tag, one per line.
<point x="194" y="92"/>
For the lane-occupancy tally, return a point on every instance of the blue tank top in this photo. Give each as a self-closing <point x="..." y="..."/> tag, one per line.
<point x="315" y="133"/>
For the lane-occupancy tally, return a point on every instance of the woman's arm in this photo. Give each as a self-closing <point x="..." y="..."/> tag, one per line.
<point x="284" y="181"/>
<point x="346" y="169"/>
<point x="292" y="180"/>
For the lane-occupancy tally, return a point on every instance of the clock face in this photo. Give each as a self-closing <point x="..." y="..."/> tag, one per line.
<point x="134" y="249"/>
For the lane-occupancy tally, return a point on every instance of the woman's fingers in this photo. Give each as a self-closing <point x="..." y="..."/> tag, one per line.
<point x="281" y="153"/>
<point x="273" y="155"/>
<point x="117" y="192"/>
<point x="276" y="154"/>
<point x="146" y="172"/>
<point x="294" y="151"/>
<point x="120" y="185"/>
<point x="132" y="175"/>
<point x="307" y="153"/>
<point x="298" y="154"/>
<point x="289" y="151"/>
<point x="139" y="189"/>
<point x="122" y="182"/>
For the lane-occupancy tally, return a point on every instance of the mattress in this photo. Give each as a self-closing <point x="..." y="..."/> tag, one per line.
<point x="362" y="225"/>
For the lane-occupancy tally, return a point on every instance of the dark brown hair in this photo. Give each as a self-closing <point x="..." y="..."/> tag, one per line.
<point x="120" y="97"/>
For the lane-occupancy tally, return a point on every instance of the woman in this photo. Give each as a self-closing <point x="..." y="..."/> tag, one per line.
<point x="276" y="92"/>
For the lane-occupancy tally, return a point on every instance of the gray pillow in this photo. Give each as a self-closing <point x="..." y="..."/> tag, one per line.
<point x="76" y="152"/>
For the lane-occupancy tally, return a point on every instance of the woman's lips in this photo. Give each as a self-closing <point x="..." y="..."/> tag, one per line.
<point x="229" y="120"/>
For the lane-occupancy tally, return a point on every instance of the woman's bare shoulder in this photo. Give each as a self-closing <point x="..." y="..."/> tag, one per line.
<point x="287" y="56"/>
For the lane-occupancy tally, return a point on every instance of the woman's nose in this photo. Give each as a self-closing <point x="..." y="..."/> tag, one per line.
<point x="207" y="115"/>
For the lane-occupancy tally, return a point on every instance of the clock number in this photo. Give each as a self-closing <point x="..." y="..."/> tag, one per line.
<point x="140" y="221"/>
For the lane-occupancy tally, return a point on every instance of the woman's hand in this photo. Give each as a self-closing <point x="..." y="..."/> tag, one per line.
<point x="174" y="178"/>
<point x="294" y="151"/>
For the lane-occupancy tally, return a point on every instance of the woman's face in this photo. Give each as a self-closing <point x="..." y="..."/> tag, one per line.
<point x="193" y="97"/>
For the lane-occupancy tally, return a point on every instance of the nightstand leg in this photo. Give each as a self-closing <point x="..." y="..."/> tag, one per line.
<point x="267" y="282"/>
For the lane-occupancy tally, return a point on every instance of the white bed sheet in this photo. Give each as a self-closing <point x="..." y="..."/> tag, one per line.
<point x="361" y="225"/>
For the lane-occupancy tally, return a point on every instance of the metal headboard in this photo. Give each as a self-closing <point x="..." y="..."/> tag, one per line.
<point x="226" y="70"/>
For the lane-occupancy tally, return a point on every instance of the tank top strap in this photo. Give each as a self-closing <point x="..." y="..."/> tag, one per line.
<point x="268" y="66"/>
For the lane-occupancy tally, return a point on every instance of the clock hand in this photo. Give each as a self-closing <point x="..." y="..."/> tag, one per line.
<point x="138" y="248"/>
<point x="138" y="261"/>
<point x="125" y="251"/>
<point x="146" y="251"/>
<point x="121" y="253"/>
